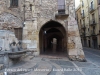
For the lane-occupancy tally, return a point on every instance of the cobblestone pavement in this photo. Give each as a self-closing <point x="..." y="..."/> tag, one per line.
<point x="54" y="65"/>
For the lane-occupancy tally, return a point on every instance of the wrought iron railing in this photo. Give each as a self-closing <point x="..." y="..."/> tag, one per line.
<point x="61" y="7"/>
<point x="93" y="32"/>
<point x="83" y="15"/>
<point x="91" y="8"/>
<point x="93" y="22"/>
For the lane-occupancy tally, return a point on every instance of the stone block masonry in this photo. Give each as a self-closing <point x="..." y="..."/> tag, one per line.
<point x="40" y="17"/>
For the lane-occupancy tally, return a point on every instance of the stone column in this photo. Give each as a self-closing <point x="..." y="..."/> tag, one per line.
<point x="75" y="50"/>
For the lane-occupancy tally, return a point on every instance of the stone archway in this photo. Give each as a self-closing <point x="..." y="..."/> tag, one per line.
<point x="49" y="32"/>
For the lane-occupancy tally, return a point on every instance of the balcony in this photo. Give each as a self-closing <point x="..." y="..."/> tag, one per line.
<point x="98" y="2"/>
<point x="83" y="15"/>
<point x="92" y="22"/>
<point x="93" y="33"/>
<point x="87" y="34"/>
<point x="82" y="5"/>
<point x="83" y="34"/>
<point x="99" y="32"/>
<point x="91" y="9"/>
<point x="62" y="12"/>
<point x="83" y="26"/>
<point x="99" y="16"/>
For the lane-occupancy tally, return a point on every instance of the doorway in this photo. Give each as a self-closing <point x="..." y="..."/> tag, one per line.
<point x="52" y="38"/>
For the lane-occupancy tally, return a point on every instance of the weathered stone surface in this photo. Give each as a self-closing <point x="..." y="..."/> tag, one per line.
<point x="6" y="38"/>
<point x="33" y="15"/>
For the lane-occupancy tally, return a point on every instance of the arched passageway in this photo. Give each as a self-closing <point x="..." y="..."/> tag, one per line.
<point x="52" y="38"/>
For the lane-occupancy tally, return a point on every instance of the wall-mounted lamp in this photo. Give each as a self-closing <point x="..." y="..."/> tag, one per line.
<point x="24" y="24"/>
<point x="45" y="32"/>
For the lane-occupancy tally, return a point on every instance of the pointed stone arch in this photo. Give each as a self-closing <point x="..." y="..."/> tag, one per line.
<point x="52" y="29"/>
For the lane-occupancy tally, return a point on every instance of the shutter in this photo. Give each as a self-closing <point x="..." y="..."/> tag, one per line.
<point x="10" y="3"/>
<point x="61" y="4"/>
<point x="16" y="2"/>
<point x="13" y="3"/>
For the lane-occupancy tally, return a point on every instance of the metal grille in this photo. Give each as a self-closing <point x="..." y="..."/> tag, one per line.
<point x="13" y="3"/>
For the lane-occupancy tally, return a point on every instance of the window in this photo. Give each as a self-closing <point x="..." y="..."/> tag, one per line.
<point x="92" y="5"/>
<point x="88" y="29"/>
<point x="82" y="3"/>
<point x="83" y="11"/>
<point x="18" y="33"/>
<point x="80" y="22"/>
<point x="13" y="3"/>
<point x="93" y="17"/>
<point x="98" y="2"/>
<point x="83" y="21"/>
<point x="61" y="6"/>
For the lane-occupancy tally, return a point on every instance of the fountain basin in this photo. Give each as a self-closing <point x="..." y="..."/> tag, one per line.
<point x="16" y="55"/>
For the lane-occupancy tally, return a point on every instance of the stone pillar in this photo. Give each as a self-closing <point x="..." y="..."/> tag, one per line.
<point x="75" y="50"/>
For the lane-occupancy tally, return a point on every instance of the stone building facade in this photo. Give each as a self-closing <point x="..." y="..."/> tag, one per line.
<point x="89" y="23"/>
<point x="39" y="22"/>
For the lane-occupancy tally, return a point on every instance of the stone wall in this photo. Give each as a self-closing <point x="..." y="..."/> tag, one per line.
<point x="34" y="14"/>
<point x="6" y="38"/>
<point x="44" y="11"/>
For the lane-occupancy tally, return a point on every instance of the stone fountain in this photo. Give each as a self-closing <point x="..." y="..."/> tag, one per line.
<point x="10" y="48"/>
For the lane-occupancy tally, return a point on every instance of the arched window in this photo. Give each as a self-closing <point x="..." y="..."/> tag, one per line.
<point x="13" y="3"/>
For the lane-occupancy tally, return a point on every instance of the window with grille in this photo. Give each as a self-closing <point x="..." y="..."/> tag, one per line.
<point x="13" y="3"/>
<point x="18" y="33"/>
<point x="61" y="6"/>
